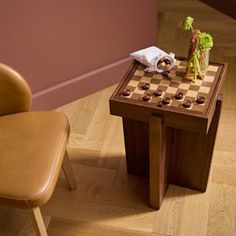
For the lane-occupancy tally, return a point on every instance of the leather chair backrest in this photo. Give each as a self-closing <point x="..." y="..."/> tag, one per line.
<point x="15" y="93"/>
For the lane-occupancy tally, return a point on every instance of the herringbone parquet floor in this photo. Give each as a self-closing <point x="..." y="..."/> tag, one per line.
<point x="108" y="202"/>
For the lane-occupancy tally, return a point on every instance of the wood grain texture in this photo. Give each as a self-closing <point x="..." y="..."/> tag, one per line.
<point x="222" y="211"/>
<point x="107" y="199"/>
<point x="191" y="154"/>
<point x="158" y="164"/>
<point x="136" y="135"/>
<point x="107" y="195"/>
<point x="190" y="138"/>
<point x="74" y="228"/>
<point x="66" y="166"/>
<point x="155" y="157"/>
<point x="197" y="118"/>
<point x="172" y="38"/>
<point x="38" y="222"/>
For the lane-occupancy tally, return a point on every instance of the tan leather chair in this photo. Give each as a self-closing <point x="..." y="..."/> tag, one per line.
<point x="32" y="148"/>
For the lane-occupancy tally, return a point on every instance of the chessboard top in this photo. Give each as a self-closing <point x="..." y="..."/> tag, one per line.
<point x="171" y="92"/>
<point x="138" y="97"/>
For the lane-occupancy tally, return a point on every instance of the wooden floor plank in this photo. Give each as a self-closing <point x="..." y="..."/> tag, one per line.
<point x="224" y="168"/>
<point x="74" y="228"/>
<point x="108" y="201"/>
<point x="222" y="212"/>
<point x="102" y="213"/>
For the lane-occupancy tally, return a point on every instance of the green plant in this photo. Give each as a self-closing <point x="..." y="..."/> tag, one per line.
<point x="205" y="41"/>
<point x="198" y="43"/>
<point x="188" y="23"/>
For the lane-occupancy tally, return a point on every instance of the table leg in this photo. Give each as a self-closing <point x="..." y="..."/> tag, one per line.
<point x="191" y="153"/>
<point x="158" y="161"/>
<point x="145" y="145"/>
<point x="136" y="146"/>
<point x="169" y="155"/>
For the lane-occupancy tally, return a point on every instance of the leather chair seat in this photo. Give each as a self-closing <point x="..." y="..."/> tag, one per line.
<point x="33" y="156"/>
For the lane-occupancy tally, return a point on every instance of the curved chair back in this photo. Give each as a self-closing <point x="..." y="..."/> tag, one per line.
<point x="15" y="93"/>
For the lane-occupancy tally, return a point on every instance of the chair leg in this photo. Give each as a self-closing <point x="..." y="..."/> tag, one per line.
<point x="38" y="223"/>
<point x="66" y="166"/>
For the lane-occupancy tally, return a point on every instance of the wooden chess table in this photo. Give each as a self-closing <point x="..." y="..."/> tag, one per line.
<point x="170" y="125"/>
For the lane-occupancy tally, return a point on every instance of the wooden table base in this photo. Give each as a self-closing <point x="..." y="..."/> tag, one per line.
<point x="168" y="155"/>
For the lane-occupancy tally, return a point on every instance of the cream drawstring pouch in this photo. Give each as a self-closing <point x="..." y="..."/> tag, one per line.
<point x="155" y="59"/>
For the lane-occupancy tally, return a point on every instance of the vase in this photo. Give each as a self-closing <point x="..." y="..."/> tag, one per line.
<point x="204" y="60"/>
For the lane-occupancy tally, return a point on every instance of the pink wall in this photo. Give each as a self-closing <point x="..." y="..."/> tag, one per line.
<point x="50" y="42"/>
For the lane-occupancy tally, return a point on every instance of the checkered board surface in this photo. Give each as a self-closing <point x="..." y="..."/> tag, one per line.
<point x="175" y="82"/>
